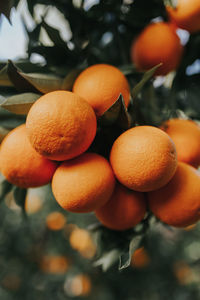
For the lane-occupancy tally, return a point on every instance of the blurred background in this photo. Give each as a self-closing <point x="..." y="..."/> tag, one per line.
<point x="47" y="253"/>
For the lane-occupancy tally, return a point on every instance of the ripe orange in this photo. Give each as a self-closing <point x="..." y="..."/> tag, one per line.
<point x="61" y="125"/>
<point x="157" y="43"/>
<point x="186" y="15"/>
<point x="79" y="285"/>
<point x="124" y="210"/>
<point x="21" y="164"/>
<point x="186" y="136"/>
<point x="143" y="158"/>
<point x="55" y="221"/>
<point x="178" y="203"/>
<point x="54" y="264"/>
<point x="140" y="258"/>
<point x="84" y="183"/>
<point x="81" y="241"/>
<point x="101" y="85"/>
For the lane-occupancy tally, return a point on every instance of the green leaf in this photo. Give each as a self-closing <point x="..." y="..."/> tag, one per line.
<point x="128" y="69"/>
<point x="9" y="120"/>
<point x="125" y="258"/>
<point x="43" y="83"/>
<point x="172" y="3"/>
<point x="5" y="7"/>
<point x="117" y="114"/>
<point x="3" y="133"/>
<point x="108" y="259"/>
<point x="147" y="75"/>
<point x="68" y="81"/>
<point x="21" y="103"/>
<point x="5" y="188"/>
<point x="20" y="197"/>
<point x="4" y="79"/>
<point x="20" y="83"/>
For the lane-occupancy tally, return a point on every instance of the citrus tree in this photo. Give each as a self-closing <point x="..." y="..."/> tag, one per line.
<point x="111" y="140"/>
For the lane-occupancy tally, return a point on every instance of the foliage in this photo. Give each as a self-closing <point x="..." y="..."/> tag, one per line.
<point x="102" y="32"/>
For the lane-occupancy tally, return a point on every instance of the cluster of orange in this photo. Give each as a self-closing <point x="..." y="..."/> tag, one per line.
<point x="61" y="126"/>
<point x="159" y="42"/>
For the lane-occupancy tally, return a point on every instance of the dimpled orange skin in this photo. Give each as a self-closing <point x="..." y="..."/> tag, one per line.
<point x="157" y="43"/>
<point x="186" y="15"/>
<point x="143" y="158"/>
<point x="84" y="183"/>
<point x="101" y="86"/>
<point x="21" y="164"/>
<point x="178" y="203"/>
<point x="61" y="125"/>
<point x="186" y="136"/>
<point x="124" y="210"/>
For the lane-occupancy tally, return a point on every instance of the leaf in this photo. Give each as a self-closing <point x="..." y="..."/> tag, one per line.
<point x="147" y="75"/>
<point x="43" y="83"/>
<point x="125" y="258"/>
<point x="117" y="114"/>
<point x="5" y="188"/>
<point x="9" y="120"/>
<point x="124" y="118"/>
<point x="21" y="103"/>
<point x="20" y="83"/>
<point x="5" y="7"/>
<point x="108" y="259"/>
<point x="68" y="81"/>
<point x="4" y="79"/>
<point x="20" y="196"/>
<point x="172" y="3"/>
<point x="3" y="133"/>
<point x="128" y="69"/>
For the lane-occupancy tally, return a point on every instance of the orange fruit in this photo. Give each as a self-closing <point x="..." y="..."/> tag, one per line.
<point x="186" y="15"/>
<point x="143" y="158"/>
<point x="79" y="285"/>
<point x="21" y="164"/>
<point x="186" y="136"/>
<point x="33" y="202"/>
<point x="81" y="241"/>
<point x="183" y="272"/>
<point x="61" y="125"/>
<point x="84" y="183"/>
<point x="55" y="221"/>
<point x="140" y="258"/>
<point x="101" y="86"/>
<point x="125" y="209"/>
<point x="178" y="203"/>
<point x="54" y="264"/>
<point x="157" y="43"/>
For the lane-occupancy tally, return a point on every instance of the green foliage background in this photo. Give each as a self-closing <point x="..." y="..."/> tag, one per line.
<point x="24" y="240"/>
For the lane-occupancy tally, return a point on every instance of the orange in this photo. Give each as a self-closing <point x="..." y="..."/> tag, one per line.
<point x="140" y="258"/>
<point x="157" y="43"/>
<point x="81" y="241"/>
<point x="124" y="210"/>
<point x="183" y="273"/>
<point x="186" y="136"/>
<point x="21" y="164"/>
<point x="186" y="15"/>
<point x="79" y="285"/>
<point x="55" y="221"/>
<point x="101" y="86"/>
<point x="178" y="203"/>
<point x="33" y="201"/>
<point x="143" y="158"/>
<point x="54" y="264"/>
<point x="61" y="125"/>
<point x="83" y="184"/>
